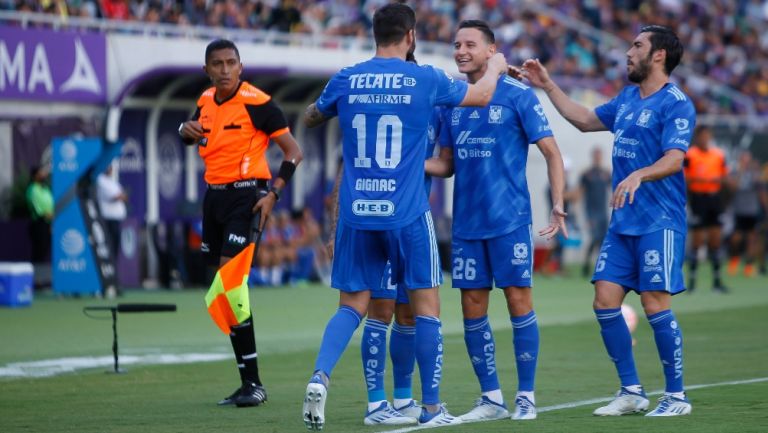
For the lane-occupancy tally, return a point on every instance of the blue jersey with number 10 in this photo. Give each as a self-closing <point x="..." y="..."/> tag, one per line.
<point x="645" y="128"/>
<point x="384" y="106"/>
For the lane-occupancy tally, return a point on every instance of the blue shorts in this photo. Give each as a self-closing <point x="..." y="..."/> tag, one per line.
<point x="361" y="256"/>
<point x="646" y="263"/>
<point x="506" y="260"/>
<point x="387" y="290"/>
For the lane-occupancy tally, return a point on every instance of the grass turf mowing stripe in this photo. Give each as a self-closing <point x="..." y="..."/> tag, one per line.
<point x="581" y="403"/>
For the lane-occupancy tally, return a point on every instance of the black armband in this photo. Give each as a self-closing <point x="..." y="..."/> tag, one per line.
<point x="286" y="171"/>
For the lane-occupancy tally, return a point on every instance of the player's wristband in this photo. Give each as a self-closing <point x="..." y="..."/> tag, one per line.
<point x="276" y="191"/>
<point x="287" y="168"/>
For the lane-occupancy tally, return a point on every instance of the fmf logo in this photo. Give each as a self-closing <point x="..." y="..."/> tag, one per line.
<point x="235" y="239"/>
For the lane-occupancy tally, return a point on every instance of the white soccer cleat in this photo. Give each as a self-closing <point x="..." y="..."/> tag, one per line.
<point x="386" y="415"/>
<point x="626" y="402"/>
<point x="314" y="406"/>
<point x="671" y="406"/>
<point x="412" y="410"/>
<point x="524" y="409"/>
<point x="437" y="419"/>
<point x="485" y="410"/>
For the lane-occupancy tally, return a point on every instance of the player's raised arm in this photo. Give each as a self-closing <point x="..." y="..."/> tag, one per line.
<point x="480" y="93"/>
<point x="584" y="119"/>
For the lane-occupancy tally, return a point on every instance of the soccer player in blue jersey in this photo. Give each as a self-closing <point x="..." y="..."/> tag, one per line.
<point x="643" y="250"/>
<point x="487" y="148"/>
<point x="383" y="211"/>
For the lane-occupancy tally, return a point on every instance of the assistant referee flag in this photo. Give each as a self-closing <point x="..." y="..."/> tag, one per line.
<point x="227" y="299"/>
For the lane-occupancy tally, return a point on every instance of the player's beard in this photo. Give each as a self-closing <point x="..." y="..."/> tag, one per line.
<point x="410" y="57"/>
<point x="641" y="71"/>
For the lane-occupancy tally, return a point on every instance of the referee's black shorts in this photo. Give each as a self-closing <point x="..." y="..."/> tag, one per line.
<point x="706" y="210"/>
<point x="227" y="216"/>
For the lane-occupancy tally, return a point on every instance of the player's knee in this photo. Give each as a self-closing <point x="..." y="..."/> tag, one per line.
<point x="404" y="315"/>
<point x="381" y="310"/>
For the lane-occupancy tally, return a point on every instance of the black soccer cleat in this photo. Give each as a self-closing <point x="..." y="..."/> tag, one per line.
<point x="250" y="395"/>
<point x="231" y="399"/>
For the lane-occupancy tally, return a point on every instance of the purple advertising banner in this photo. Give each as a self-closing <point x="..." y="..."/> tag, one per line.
<point x="47" y="65"/>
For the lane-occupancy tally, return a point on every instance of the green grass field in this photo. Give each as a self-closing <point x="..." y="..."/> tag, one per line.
<point x="725" y="341"/>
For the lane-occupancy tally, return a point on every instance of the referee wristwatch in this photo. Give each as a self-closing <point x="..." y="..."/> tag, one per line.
<point x="276" y="191"/>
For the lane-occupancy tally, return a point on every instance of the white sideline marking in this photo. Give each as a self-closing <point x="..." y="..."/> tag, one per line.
<point x="53" y="367"/>
<point x="599" y="400"/>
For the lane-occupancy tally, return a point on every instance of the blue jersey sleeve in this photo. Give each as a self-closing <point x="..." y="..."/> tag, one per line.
<point x="607" y="112"/>
<point x="327" y="101"/>
<point x="679" y="121"/>
<point x="535" y="122"/>
<point x="444" y="137"/>
<point x="448" y="91"/>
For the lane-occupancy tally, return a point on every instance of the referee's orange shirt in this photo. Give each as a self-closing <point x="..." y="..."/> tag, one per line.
<point x="237" y="132"/>
<point x="705" y="169"/>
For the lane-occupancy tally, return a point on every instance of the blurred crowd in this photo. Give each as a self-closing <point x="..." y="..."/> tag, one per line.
<point x="725" y="40"/>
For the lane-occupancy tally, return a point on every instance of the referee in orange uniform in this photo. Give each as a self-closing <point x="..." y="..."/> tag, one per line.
<point x="232" y="128"/>
<point x="705" y="174"/>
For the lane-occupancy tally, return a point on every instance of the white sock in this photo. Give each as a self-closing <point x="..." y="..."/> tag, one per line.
<point x="400" y="403"/>
<point x="374" y="404"/>
<point x="495" y="396"/>
<point x="527" y="394"/>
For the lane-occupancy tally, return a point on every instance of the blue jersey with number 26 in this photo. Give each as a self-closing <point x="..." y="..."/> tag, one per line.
<point x="645" y="128"/>
<point x="384" y="106"/>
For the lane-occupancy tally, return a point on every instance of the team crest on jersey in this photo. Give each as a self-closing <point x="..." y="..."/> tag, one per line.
<point x="644" y="118"/>
<point x="494" y="114"/>
<point x="455" y="116"/>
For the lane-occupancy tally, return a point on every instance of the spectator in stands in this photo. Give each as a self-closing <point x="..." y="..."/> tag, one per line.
<point x="705" y="173"/>
<point x="748" y="204"/>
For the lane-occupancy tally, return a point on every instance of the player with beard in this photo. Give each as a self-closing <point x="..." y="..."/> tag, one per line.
<point x="643" y="251"/>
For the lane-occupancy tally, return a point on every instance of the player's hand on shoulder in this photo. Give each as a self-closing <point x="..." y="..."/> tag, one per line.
<point x="498" y="63"/>
<point x="515" y="72"/>
<point x="535" y="72"/>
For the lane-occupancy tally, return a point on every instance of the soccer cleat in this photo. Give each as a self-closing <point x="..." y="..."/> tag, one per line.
<point x="386" y="415"/>
<point x="412" y="410"/>
<point x="485" y="410"/>
<point x="314" y="406"/>
<point x="231" y="399"/>
<point x="524" y="409"/>
<point x="437" y="419"/>
<point x="626" y="402"/>
<point x="250" y="395"/>
<point x="671" y="406"/>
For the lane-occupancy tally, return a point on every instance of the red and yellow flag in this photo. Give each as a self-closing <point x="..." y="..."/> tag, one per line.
<point x="227" y="299"/>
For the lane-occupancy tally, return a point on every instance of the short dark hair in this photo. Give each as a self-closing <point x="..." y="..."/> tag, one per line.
<point x="220" y="44"/>
<point x="480" y="25"/>
<point x="392" y="22"/>
<point x="663" y="38"/>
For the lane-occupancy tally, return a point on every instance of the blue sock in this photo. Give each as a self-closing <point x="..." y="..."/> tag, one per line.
<point x="481" y="349"/>
<point x="337" y="334"/>
<point x="526" y="341"/>
<point x="429" y="355"/>
<point x="669" y="342"/>
<point x="373" y="350"/>
<point x="402" y="352"/>
<point x="618" y="342"/>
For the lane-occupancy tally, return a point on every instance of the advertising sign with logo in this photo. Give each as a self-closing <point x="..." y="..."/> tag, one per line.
<point x="47" y="65"/>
